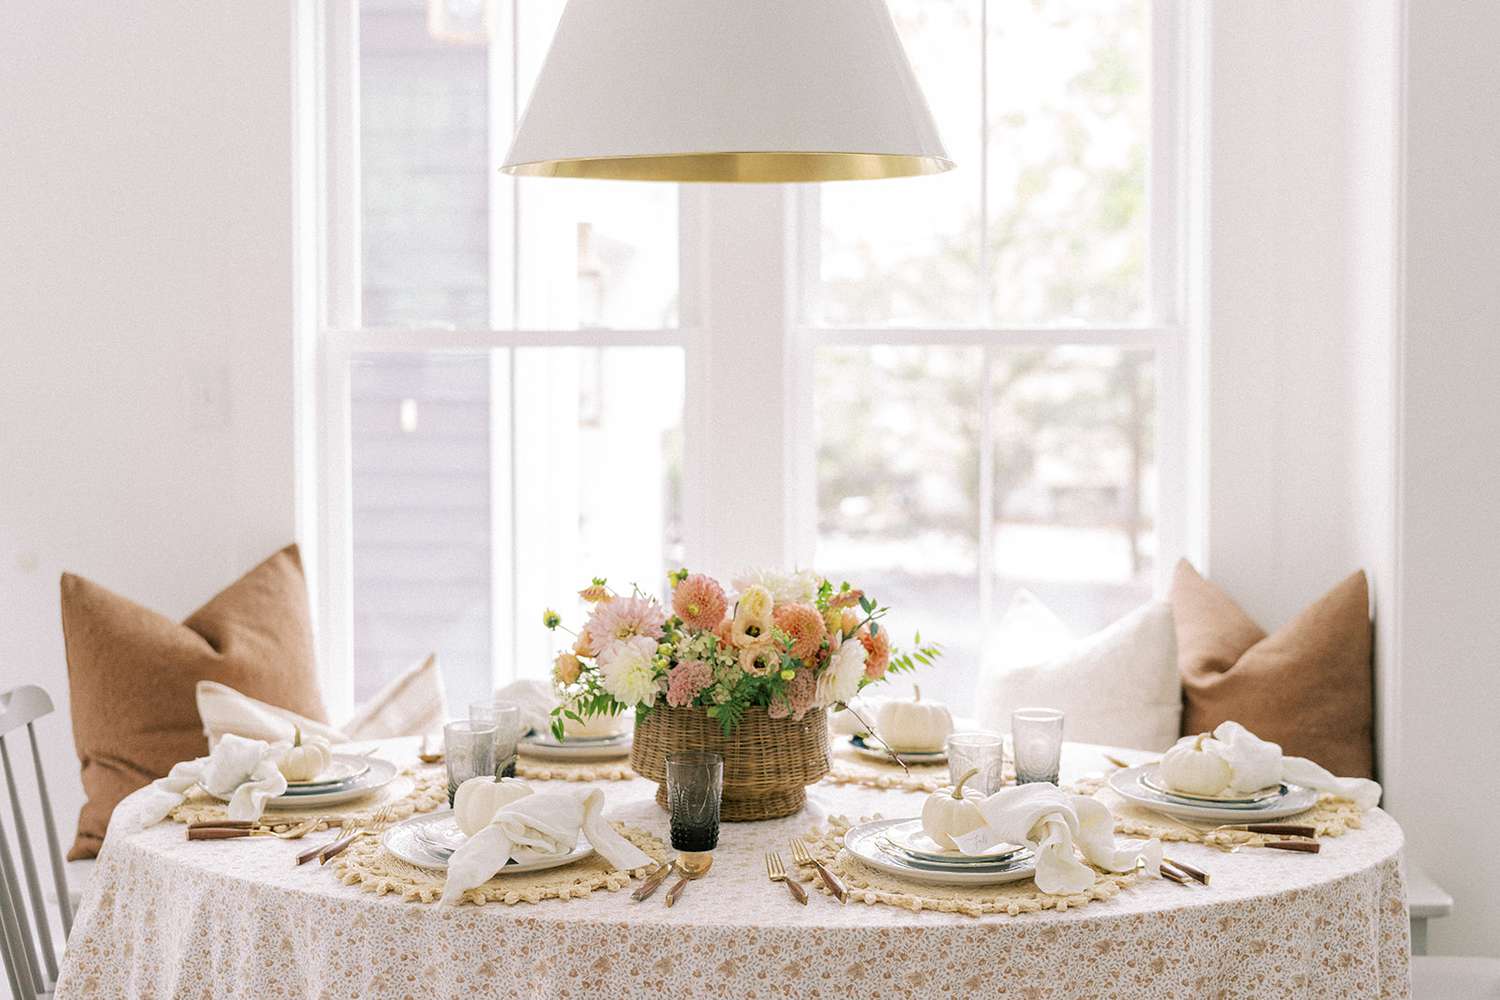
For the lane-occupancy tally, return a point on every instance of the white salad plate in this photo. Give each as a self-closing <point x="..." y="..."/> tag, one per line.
<point x="1289" y="801"/>
<point x="875" y="751"/>
<point x="866" y="843"/>
<point x="429" y="840"/>
<point x="546" y="747"/>
<point x="908" y="839"/>
<point x="342" y="772"/>
<point x="1152" y="780"/>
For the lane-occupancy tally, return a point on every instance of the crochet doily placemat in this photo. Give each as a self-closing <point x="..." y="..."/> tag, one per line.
<point x="874" y="887"/>
<point x="371" y="867"/>
<point x="1331" y="817"/>
<point x="849" y="767"/>
<point x="415" y="790"/>
<point x="537" y="769"/>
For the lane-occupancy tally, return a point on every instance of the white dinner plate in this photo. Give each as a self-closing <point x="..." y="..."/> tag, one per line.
<point x="875" y="751"/>
<point x="1127" y="782"/>
<point x="380" y="774"/>
<point x="908" y="838"/>
<point x="429" y="839"/>
<point x="545" y="747"/>
<point x="864" y="843"/>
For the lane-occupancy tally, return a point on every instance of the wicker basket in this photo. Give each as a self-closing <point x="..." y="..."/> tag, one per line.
<point x="768" y="763"/>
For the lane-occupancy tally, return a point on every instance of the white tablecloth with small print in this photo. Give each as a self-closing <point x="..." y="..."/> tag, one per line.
<point x="163" y="917"/>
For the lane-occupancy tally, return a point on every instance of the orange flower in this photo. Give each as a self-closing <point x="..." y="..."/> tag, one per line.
<point x="596" y="594"/>
<point x="846" y="598"/>
<point x="699" y="601"/>
<point x="805" y="626"/>
<point x="877" y="652"/>
<point x="566" y="668"/>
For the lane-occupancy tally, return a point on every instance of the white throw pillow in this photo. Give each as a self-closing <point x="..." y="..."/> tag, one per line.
<point x="1118" y="686"/>
<point x="410" y="705"/>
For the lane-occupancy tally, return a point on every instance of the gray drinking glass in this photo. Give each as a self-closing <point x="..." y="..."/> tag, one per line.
<point x="469" y="749"/>
<point x="1036" y="738"/>
<point x="695" y="786"/>
<point x="981" y="751"/>
<point x="505" y="716"/>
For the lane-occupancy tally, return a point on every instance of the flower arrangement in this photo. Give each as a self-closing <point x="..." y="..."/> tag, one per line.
<point x="790" y="642"/>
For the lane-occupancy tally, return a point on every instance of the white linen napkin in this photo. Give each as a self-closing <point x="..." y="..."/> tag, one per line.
<point x="533" y="827"/>
<point x="1255" y="763"/>
<point x="1052" y="822"/>
<point x="243" y="770"/>
<point x="536" y="699"/>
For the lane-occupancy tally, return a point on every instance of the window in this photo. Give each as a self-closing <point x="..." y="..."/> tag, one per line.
<point x="520" y="384"/>
<point x="989" y="342"/>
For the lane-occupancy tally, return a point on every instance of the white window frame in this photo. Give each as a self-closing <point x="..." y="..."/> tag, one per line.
<point x="744" y="251"/>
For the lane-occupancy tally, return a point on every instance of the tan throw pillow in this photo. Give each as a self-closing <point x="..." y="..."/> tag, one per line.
<point x="1308" y="686"/>
<point x="133" y="672"/>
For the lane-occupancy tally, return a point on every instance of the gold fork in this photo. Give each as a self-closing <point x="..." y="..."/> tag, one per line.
<point x="326" y="852"/>
<point x="776" y="872"/>
<point x="803" y="856"/>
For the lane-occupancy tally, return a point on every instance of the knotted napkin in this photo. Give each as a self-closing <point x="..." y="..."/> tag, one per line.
<point x="1052" y="822"/>
<point x="532" y="827"/>
<point x="239" y="769"/>
<point x="1255" y="763"/>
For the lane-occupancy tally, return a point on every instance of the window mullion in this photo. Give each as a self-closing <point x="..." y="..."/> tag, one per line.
<point x="986" y="497"/>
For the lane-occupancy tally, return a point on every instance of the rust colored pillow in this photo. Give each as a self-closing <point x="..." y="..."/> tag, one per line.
<point x="1308" y="686"/>
<point x="133" y="675"/>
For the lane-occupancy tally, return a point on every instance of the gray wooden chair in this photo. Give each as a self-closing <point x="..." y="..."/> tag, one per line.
<point x="26" y="940"/>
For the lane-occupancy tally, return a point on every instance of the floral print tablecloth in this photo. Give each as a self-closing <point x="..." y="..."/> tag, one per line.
<point x="163" y="917"/>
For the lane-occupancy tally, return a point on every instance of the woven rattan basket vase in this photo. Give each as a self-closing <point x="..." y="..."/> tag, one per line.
<point x="768" y="763"/>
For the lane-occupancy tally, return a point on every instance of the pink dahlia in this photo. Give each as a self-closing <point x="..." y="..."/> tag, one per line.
<point x="686" y="681"/>
<point x="805" y="626"/>
<point x="699" y="601"/>
<point x="877" y="653"/>
<point x="625" y="618"/>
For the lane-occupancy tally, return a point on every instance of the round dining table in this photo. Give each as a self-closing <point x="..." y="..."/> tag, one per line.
<point x="166" y="917"/>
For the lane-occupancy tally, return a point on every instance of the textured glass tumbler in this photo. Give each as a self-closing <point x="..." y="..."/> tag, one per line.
<point x="505" y="716"/>
<point x="1036" y="735"/>
<point x="469" y="749"/>
<point x="695" y="784"/>
<point x="984" y="752"/>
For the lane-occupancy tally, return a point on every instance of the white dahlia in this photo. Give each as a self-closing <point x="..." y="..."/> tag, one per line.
<point x="628" y="670"/>
<point x="839" y="681"/>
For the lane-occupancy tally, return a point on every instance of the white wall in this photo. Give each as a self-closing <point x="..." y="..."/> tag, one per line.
<point x="1349" y="425"/>
<point x="1449" y="626"/>
<point x="145" y="254"/>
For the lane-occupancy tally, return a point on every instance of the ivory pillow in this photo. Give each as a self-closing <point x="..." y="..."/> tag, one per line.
<point x="1308" y="686"/>
<point x="410" y="705"/>
<point x="133" y="673"/>
<point x="1118" y="686"/>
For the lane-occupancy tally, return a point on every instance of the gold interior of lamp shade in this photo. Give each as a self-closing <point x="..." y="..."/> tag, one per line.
<point x="738" y="168"/>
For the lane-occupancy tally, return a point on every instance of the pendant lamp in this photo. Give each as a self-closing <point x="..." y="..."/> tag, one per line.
<point x="726" y="90"/>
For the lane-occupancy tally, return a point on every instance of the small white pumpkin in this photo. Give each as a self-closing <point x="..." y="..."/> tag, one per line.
<point x="915" y="725"/>
<point x="1195" y="765"/>
<point x="952" y="813"/>
<point x="306" y="758"/>
<point x="478" y="799"/>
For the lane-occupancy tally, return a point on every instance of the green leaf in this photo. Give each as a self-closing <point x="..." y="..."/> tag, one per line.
<point x="874" y="628"/>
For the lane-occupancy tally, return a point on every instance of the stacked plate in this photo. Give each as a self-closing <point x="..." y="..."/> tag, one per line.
<point x="429" y="840"/>
<point x="349" y="777"/>
<point x="547" y="747"/>
<point x="876" y="751"/>
<point x="1143" y="786"/>
<point x="899" y="847"/>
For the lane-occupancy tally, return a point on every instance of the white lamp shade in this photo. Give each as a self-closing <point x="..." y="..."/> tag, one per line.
<point x="726" y="90"/>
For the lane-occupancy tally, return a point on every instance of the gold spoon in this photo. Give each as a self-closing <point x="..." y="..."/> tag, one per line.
<point x="690" y="865"/>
